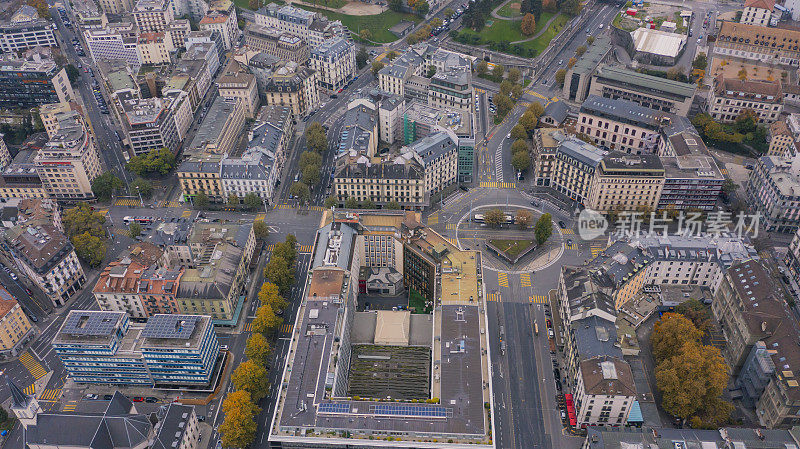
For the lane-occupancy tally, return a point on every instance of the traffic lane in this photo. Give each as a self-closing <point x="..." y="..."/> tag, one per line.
<point x="35" y="302"/>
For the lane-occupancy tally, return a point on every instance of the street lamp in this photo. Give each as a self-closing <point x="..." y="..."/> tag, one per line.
<point x="141" y="201"/>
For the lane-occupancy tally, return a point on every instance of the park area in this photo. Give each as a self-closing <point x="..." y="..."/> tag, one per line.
<point x="511" y="248"/>
<point x="510" y="10"/>
<point x="377" y="24"/>
<point x="500" y="34"/>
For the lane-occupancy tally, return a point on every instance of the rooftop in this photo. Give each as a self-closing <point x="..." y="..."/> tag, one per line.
<point x="624" y="111"/>
<point x="645" y="83"/>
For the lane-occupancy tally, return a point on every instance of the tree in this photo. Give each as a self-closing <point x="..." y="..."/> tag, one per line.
<point x="529" y="120"/>
<point x="376" y="67"/>
<point x="201" y="201"/>
<point x="105" y="185"/>
<point x="498" y="70"/>
<point x="483" y="67"/>
<point x="316" y="138"/>
<point x="253" y="4"/>
<point x="252" y="378"/>
<point x="516" y="91"/>
<point x="309" y="158"/>
<point x="518" y="132"/>
<point x="523" y="218"/>
<point x="571" y="62"/>
<point x="514" y="75"/>
<point x="287" y="249"/>
<point x="590" y="40"/>
<point x="266" y="321"/>
<point x="503" y="103"/>
<point x="505" y="87"/>
<point x="521" y="161"/>
<point x="72" y="73"/>
<point x="729" y="186"/>
<point x="252" y="201"/>
<point x="365" y="34"/>
<point x="233" y="199"/>
<point x="280" y="273"/>
<point x="560" y="75"/>
<point x="742" y="74"/>
<point x="691" y="379"/>
<point x="270" y="295"/>
<point x="435" y="22"/>
<point x="543" y="229"/>
<point x="571" y="7"/>
<point x="134" y="230"/>
<point x="549" y="5"/>
<point x="671" y="334"/>
<point x="89" y="248"/>
<point x="519" y="146"/>
<point x="301" y="191"/>
<point x="536" y="8"/>
<point x="697" y="312"/>
<point x="311" y="175"/>
<point x="367" y="204"/>
<point x="141" y="186"/>
<point x="154" y="162"/>
<point x="675" y="73"/>
<point x="396" y="5"/>
<point x="494" y="217"/>
<point x="331" y="201"/>
<point x="448" y="12"/>
<point x="82" y="219"/>
<point x="260" y="230"/>
<point x="258" y="349"/>
<point x="421" y="8"/>
<point x="351" y="203"/>
<point x="3" y="415"/>
<point x="239" y="427"/>
<point x="700" y="61"/>
<point x="580" y="50"/>
<point x="431" y="71"/>
<point x="362" y="57"/>
<point x="393" y="205"/>
<point x="536" y="108"/>
<point x="528" y="25"/>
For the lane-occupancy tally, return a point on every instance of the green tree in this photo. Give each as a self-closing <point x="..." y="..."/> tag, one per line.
<point x="729" y="186"/>
<point x="528" y="25"/>
<point x="82" y="219"/>
<point x="421" y="8"/>
<point x="239" y="427"/>
<point x="270" y="295"/>
<point x="519" y="146"/>
<point x="316" y="137"/>
<point x="393" y="205"/>
<point x="529" y="120"/>
<point x="431" y="71"/>
<point x="514" y="75"/>
<point x="279" y="272"/>
<point x="561" y="74"/>
<point x="571" y="62"/>
<point x="301" y="191"/>
<point x="330" y="202"/>
<point x="448" y="12"/>
<point x="351" y="203"/>
<point x="503" y="103"/>
<point x="536" y="109"/>
<point x="201" y="201"/>
<point x="670" y="334"/>
<point x="154" y="162"/>
<point x="252" y="378"/>
<point x="308" y="158"/>
<point x="494" y="217"/>
<point x="287" y="249"/>
<point x="362" y="57"/>
<point x="311" y="175"/>
<point x="260" y="230"/>
<point x="376" y="67"/>
<point x="543" y="229"/>
<point x="3" y="415"/>
<point x="134" y="230"/>
<point x="258" y="349"/>
<point x="72" y="73"/>
<point x="105" y="185"/>
<point x="498" y="70"/>
<point x="143" y="187"/>
<point x="252" y="201"/>
<point x="590" y="40"/>
<point x="523" y="218"/>
<point x="516" y="91"/>
<point x="483" y="67"/>
<point x="521" y="161"/>
<point x="580" y="50"/>
<point x="367" y="204"/>
<point x="700" y="61"/>
<point x="254" y="4"/>
<point x="697" y="312"/>
<point x="89" y="248"/>
<point x="505" y="87"/>
<point x="396" y="5"/>
<point x="571" y="7"/>
<point x="365" y="34"/>
<point x="266" y="321"/>
<point x="233" y="199"/>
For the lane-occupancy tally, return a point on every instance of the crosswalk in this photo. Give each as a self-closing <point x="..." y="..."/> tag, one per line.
<point x="286" y="329"/>
<point x="71" y="406"/>
<point x="453" y="241"/>
<point x="186" y="214"/>
<point x="248" y="327"/>
<point x="573" y="246"/>
<point x="433" y="219"/>
<point x="317" y="208"/>
<point x="494" y="297"/>
<point x="596" y="250"/>
<point x="103" y="212"/>
<point x="498" y="163"/>
<point x="30" y="390"/>
<point x="50" y="394"/>
<point x="170" y="204"/>
<point x="451" y="226"/>
<point x="724" y="171"/>
<point x="261" y="217"/>
<point x="502" y="279"/>
<point x="128" y="202"/>
<point x="498" y="185"/>
<point x="284" y="206"/>
<point x="271" y="247"/>
<point x="538" y="299"/>
<point x="34" y="367"/>
<point x="567" y="231"/>
<point x="305" y="248"/>
<point x="525" y="280"/>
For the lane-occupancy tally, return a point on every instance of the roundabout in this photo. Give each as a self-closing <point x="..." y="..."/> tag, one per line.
<point x="473" y="235"/>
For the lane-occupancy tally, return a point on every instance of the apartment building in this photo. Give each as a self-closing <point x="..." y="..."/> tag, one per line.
<point x="221" y="17"/>
<point x="574" y="168"/>
<point x="659" y="94"/>
<point x="289" y="84"/>
<point x="194" y="9"/>
<point x="5" y="155"/>
<point x="15" y="327"/>
<point x="545" y="145"/>
<point x="760" y="12"/>
<point x="116" y="6"/>
<point x="169" y="351"/>
<point x="438" y="154"/>
<point x="31" y="81"/>
<point x="729" y="97"/>
<point x="335" y="64"/>
<point x="153" y="48"/>
<point x="312" y="27"/>
<point x="26" y="30"/>
<point x="46" y="256"/>
<point x="626" y="182"/>
<point x="69" y="162"/>
<point x="235" y="83"/>
<point x="782" y="141"/>
<point x="113" y="42"/>
<point x="193" y="74"/>
<point x="181" y="111"/>
<point x="206" y="37"/>
<point x="201" y="174"/>
<point x="620" y="271"/>
<point x="393" y="77"/>
<point x="620" y="125"/>
<point x="277" y="43"/>
<point x="452" y="89"/>
<point x="152" y="16"/>
<point x="774" y="191"/>
<point x="758" y="43"/>
<point x="49" y="114"/>
<point x="359" y="136"/>
<point x="382" y="183"/>
<point x="20" y="178"/>
<point x="148" y="124"/>
<point x="219" y="131"/>
<point x="391" y="118"/>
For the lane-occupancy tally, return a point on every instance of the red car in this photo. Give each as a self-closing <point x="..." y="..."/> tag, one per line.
<point x="138" y="399"/>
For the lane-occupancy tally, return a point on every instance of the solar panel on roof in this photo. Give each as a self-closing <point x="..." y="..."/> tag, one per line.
<point x="170" y="326"/>
<point x="411" y="410"/>
<point x="334" y="407"/>
<point x="91" y="324"/>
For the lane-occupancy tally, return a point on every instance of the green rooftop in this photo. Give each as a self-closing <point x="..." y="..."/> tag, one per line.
<point x="640" y="81"/>
<point x="589" y="61"/>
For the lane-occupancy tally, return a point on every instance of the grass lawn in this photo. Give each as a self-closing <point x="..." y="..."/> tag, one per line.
<point x="509" y="30"/>
<point x="245" y="4"/>
<point x="416" y="301"/>
<point x="511" y="10"/>
<point x="378" y="24"/>
<point x="540" y="43"/>
<point x="512" y="248"/>
<point x="335" y="4"/>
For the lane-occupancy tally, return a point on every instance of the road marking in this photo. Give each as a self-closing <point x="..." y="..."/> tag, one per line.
<point x="286" y="328"/>
<point x="452" y="241"/>
<point x="433" y="218"/>
<point x="248" y="327"/>
<point x="498" y="185"/>
<point x="451" y="226"/>
<point x="597" y="250"/>
<point x="538" y="299"/>
<point x="573" y="246"/>
<point x="186" y="214"/>
<point x="34" y="367"/>
<point x="502" y="279"/>
<point x="30" y="390"/>
<point x="170" y="204"/>
<point x="305" y="249"/>
<point x="261" y="217"/>
<point x="103" y="212"/>
<point x="51" y="394"/>
<point x="724" y="171"/>
<point x="567" y="231"/>
<point x="71" y="406"/>
<point x="525" y="279"/>
<point x="494" y="297"/>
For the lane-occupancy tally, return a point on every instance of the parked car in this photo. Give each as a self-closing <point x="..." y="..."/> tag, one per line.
<point x="91" y="397"/>
<point x="108" y="397"/>
<point x="561" y="224"/>
<point x="137" y="399"/>
<point x="150" y="399"/>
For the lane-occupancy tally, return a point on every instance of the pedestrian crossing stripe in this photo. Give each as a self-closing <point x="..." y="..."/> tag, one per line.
<point x="50" y="394"/>
<point x="170" y="204"/>
<point x="498" y="185"/>
<point x="317" y="208"/>
<point x="502" y="279"/>
<point x="186" y="214"/>
<point x="71" y="406"/>
<point x="103" y="212"/>
<point x="494" y="297"/>
<point x="452" y="241"/>
<point x="271" y="247"/>
<point x="538" y="299"/>
<point x="286" y="328"/>
<point x="34" y="367"/>
<point x="451" y="226"/>
<point x="248" y="327"/>
<point x="573" y="246"/>
<point x="284" y="206"/>
<point x="261" y="217"/>
<point x="596" y="250"/>
<point x="128" y="202"/>
<point x="30" y="390"/>
<point x="525" y="279"/>
<point x="568" y="231"/>
<point x="433" y="219"/>
<point x="305" y="248"/>
<point x="724" y="171"/>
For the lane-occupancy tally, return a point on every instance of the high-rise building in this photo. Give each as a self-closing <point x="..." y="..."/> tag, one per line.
<point x="149" y="123"/>
<point x="114" y="41"/>
<point x="26" y="30"/>
<point x="29" y="82"/>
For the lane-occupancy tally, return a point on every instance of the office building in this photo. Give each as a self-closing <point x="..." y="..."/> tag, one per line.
<point x="393" y="77"/>
<point x="620" y="124"/>
<point x="274" y="42"/>
<point x="235" y="83"/>
<point x="29" y="82"/>
<point x="335" y="64"/>
<point x="152" y="16"/>
<point x="574" y="168"/>
<point x="153" y="48"/>
<point x="758" y="43"/>
<point x="20" y="178"/>
<point x="15" y="327"/>
<point x="114" y="42"/>
<point x="659" y="94"/>
<point x="26" y="30"/>
<point x="626" y="182"/>
<point x="116" y="6"/>
<point x="451" y="89"/>
<point x="221" y="17"/>
<point x="220" y="130"/>
<point x="603" y="438"/>
<point x="289" y="84"/>
<point x="148" y="124"/>
<point x="729" y="97"/>
<point x="774" y="191"/>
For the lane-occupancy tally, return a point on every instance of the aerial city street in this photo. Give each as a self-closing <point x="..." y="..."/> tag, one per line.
<point x="513" y="224"/>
